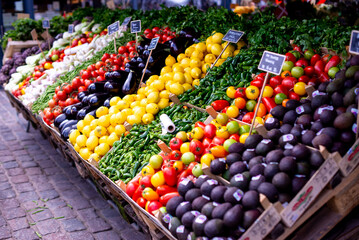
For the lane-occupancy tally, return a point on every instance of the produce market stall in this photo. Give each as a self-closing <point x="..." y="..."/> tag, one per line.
<point x="237" y="129"/>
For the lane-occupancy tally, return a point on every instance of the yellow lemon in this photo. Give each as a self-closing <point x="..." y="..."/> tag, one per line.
<point x="187" y="70"/>
<point x="189" y="51"/>
<point x="141" y="91"/>
<point x="163" y="103"/>
<point x="139" y="111"/>
<point x="112" y="138"/>
<point x="179" y="77"/>
<point x="219" y="62"/>
<point x="135" y="104"/>
<point x="120" y="118"/>
<point x="216" y="49"/>
<point x="209" y="40"/>
<point x="178" y="68"/>
<point x="120" y="129"/>
<point x="110" y="129"/>
<point x="195" y="62"/>
<point x="197" y="54"/>
<point x="122" y="105"/>
<point x="196" y="72"/>
<point x="176" y="88"/>
<point x="127" y="111"/>
<point x="92" y="142"/>
<point x="217" y="38"/>
<point x="104" y="121"/>
<point x="185" y="62"/>
<point x="139" y="97"/>
<point x="209" y="47"/>
<point x="201" y="47"/>
<point x="92" y="133"/>
<point x="235" y="52"/>
<point x="184" y="147"/>
<point x="147" y="118"/>
<point x="227" y="53"/>
<point x="129" y="98"/>
<point x="113" y="110"/>
<point x="170" y="60"/>
<point x="180" y="57"/>
<point x="152" y="108"/>
<point x="73" y="135"/>
<point x="95" y="157"/>
<point x="81" y="141"/>
<point x="187" y="86"/>
<point x="80" y="125"/>
<point x="103" y="139"/>
<point x="168" y="85"/>
<point x="114" y="101"/>
<point x="153" y="97"/>
<point x="188" y="77"/>
<point x="76" y="147"/>
<point x="168" y="77"/>
<point x="101" y="111"/>
<point x="205" y="67"/>
<point x="85" y="153"/>
<point x="195" y="82"/>
<point x="100" y="131"/>
<point x="153" y="78"/>
<point x="94" y="124"/>
<point x="166" y="69"/>
<point x="210" y="58"/>
<point x="102" y="149"/>
<point x="144" y="102"/>
<point x="88" y="119"/>
<point x="134" y="119"/>
<point x="86" y="130"/>
<point x="159" y="85"/>
<point x="165" y="94"/>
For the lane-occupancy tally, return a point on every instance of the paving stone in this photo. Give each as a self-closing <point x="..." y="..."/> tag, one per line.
<point x="28" y="196"/>
<point x="110" y="213"/>
<point x="25" y="234"/>
<point x="28" y="164"/>
<point x="9" y="203"/>
<point x="57" y="178"/>
<point x="40" y="216"/>
<point x="57" y="236"/>
<point x="4" y="233"/>
<point x="15" y="171"/>
<point x="98" y="225"/>
<point x="11" y="164"/>
<point x="118" y="223"/>
<point x="3" y="178"/>
<point x="24" y="187"/>
<point x="55" y="203"/>
<point x="20" y="153"/>
<point x="87" y="214"/>
<point x="44" y="186"/>
<point x="47" y="164"/>
<point x="8" y="193"/>
<point x="38" y="178"/>
<point x="132" y="234"/>
<point x="2" y="221"/>
<point x="40" y="156"/>
<point x="12" y="213"/>
<point x="30" y="205"/>
<point x="48" y="226"/>
<point x="64" y="186"/>
<point x="4" y="185"/>
<point x="52" y="171"/>
<point x="24" y="158"/>
<point x="33" y="171"/>
<point x="79" y="203"/>
<point x="49" y="194"/>
<point x="107" y="235"/>
<point x="81" y="235"/>
<point x="71" y="225"/>
<point x="99" y="203"/>
<point x="64" y="212"/>
<point x="19" y="179"/>
<point x="7" y="158"/>
<point x="18" y="223"/>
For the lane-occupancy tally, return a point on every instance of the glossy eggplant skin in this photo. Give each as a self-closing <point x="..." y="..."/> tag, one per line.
<point x="82" y="112"/>
<point x="97" y="99"/>
<point x="130" y="85"/>
<point x="59" y="119"/>
<point x="67" y="124"/>
<point x="96" y="87"/>
<point x="81" y="95"/>
<point x="113" y="87"/>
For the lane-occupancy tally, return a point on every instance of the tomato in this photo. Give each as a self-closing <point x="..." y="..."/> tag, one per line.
<point x="147" y="170"/>
<point x="289" y="82"/>
<point x="219" y="105"/>
<point x="240" y="92"/>
<point x="268" y="91"/>
<point x="247" y="118"/>
<point x="177" y="165"/>
<point x="175" y="143"/>
<point x="67" y="89"/>
<point x="170" y="175"/>
<point x="218" y="141"/>
<point x="175" y="155"/>
<point x="222" y="133"/>
<point x="49" y="115"/>
<point x="131" y="188"/>
<point x="235" y="137"/>
<point x="275" y="81"/>
<point x="91" y="68"/>
<point x="126" y="60"/>
<point x="279" y="98"/>
<point x="152" y="206"/>
<point x="293" y="95"/>
<point x="99" y="64"/>
<point x="69" y="102"/>
<point x="252" y="92"/>
<point x="261" y="110"/>
<point x="109" y="62"/>
<point x="149" y="35"/>
<point x="250" y="105"/>
<point x="308" y="54"/>
<point x="290" y="57"/>
<point x="87" y="83"/>
<point x="280" y="89"/>
<point x="105" y="57"/>
<point x="314" y="59"/>
<point x="52" y="103"/>
<point x="304" y="79"/>
<point x="218" y="151"/>
<point x="158" y="179"/>
<point x="117" y="61"/>
<point x="206" y="142"/>
<point x="155" y="29"/>
<point x="62" y="103"/>
<point x="299" y="88"/>
<point x="149" y="194"/>
<point x="141" y="202"/>
<point x="147" y="31"/>
<point x="257" y="83"/>
<point x="302" y="63"/>
<point x="76" y="83"/>
<point x="240" y="103"/>
<point x="285" y="74"/>
<point x="61" y="95"/>
<point x="196" y="147"/>
<point x="82" y="88"/>
<point x="100" y="78"/>
<point x="145" y="181"/>
<point x="85" y="75"/>
<point x="210" y="131"/>
<point x="56" y="111"/>
<point x="165" y="198"/>
<point x="200" y="124"/>
<point x="197" y="133"/>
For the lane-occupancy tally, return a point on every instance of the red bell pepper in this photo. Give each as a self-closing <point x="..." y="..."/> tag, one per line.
<point x="164" y="189"/>
<point x="319" y="67"/>
<point x="269" y="103"/>
<point x="170" y="176"/>
<point x="165" y="198"/>
<point x="333" y="62"/>
<point x="314" y="59"/>
<point x="219" y="105"/>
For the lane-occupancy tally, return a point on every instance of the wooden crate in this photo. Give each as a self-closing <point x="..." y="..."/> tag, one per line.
<point x="16" y="46"/>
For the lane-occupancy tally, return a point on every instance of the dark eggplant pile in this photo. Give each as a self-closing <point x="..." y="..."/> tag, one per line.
<point x="117" y="83"/>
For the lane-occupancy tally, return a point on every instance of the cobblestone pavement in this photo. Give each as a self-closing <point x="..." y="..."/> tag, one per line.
<point x="42" y="196"/>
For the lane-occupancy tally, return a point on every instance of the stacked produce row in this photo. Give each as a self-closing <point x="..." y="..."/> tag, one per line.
<point x="207" y="177"/>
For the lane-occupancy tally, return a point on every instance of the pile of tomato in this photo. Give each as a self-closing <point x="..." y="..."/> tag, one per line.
<point x="165" y="34"/>
<point x="86" y="37"/>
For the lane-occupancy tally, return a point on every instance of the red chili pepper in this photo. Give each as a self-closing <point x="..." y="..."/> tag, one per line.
<point x="201" y="124"/>
<point x="164" y="189"/>
<point x="269" y="103"/>
<point x="333" y="62"/>
<point x="219" y="105"/>
<point x="319" y="67"/>
<point x="165" y="198"/>
<point x="314" y="59"/>
<point x="323" y="77"/>
<point x="240" y="92"/>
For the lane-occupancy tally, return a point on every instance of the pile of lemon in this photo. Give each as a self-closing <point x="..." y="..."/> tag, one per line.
<point x="95" y="136"/>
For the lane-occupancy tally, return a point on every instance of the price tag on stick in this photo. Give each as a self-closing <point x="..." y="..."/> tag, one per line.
<point x="35" y="38"/>
<point x="114" y="28"/>
<point x="232" y="36"/>
<point x="135" y="28"/>
<point x="354" y="43"/>
<point x="71" y="28"/>
<point x="46" y="25"/>
<point x="270" y="63"/>
<point x="126" y="21"/>
<point x="151" y="47"/>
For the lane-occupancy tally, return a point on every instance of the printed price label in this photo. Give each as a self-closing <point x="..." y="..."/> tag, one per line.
<point x="354" y="42"/>
<point x="71" y="28"/>
<point x="350" y="160"/>
<point x="309" y="192"/>
<point x="114" y="27"/>
<point x="153" y="43"/>
<point x="126" y="21"/>
<point x="46" y="23"/>
<point x="34" y="34"/>
<point x="263" y="225"/>
<point x="233" y="36"/>
<point x="136" y="26"/>
<point x="271" y="62"/>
